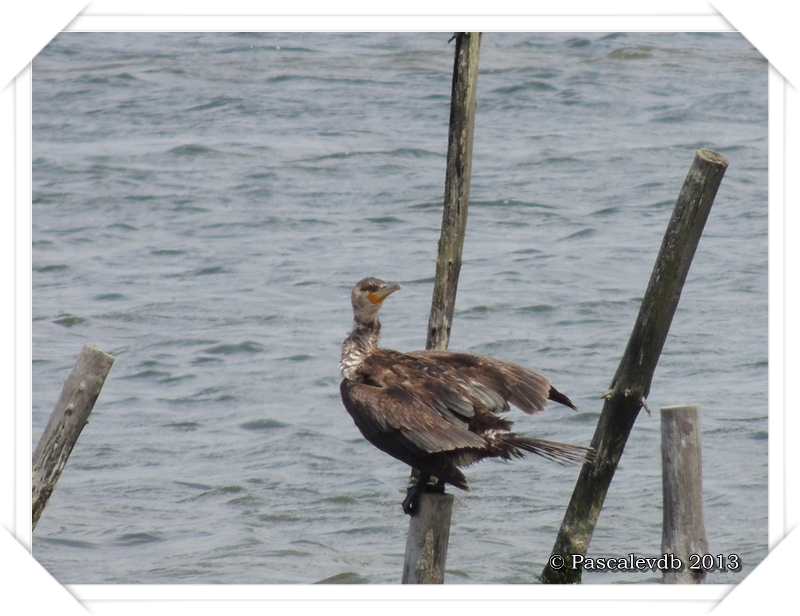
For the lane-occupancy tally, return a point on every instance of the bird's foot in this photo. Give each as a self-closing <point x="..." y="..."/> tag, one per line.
<point x="411" y="501"/>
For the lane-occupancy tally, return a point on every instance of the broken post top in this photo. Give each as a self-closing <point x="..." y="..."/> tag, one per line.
<point x="712" y="157"/>
<point x="680" y="409"/>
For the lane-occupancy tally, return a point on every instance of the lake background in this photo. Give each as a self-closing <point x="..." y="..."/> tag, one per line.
<point x="204" y="202"/>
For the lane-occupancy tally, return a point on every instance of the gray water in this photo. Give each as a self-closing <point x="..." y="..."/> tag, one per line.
<point x="203" y="203"/>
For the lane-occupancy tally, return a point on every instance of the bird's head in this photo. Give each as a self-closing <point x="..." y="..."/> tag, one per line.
<point x="368" y="296"/>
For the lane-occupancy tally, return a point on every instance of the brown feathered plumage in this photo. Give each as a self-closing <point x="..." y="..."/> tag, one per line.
<point x="438" y="410"/>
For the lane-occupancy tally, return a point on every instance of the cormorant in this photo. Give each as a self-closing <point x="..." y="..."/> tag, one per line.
<point x="437" y="410"/>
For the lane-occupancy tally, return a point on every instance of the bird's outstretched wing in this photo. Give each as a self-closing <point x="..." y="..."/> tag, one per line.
<point x="526" y="389"/>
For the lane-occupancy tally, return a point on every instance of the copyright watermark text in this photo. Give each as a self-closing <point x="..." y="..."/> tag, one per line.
<point x="665" y="562"/>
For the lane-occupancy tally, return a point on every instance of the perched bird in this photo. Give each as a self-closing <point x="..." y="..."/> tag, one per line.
<point x="438" y="410"/>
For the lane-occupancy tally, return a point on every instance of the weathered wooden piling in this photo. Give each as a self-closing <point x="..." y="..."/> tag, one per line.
<point x="429" y="528"/>
<point x="66" y="422"/>
<point x="631" y="383"/>
<point x="684" y="532"/>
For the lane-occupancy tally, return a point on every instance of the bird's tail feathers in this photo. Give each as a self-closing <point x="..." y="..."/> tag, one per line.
<point x="563" y="453"/>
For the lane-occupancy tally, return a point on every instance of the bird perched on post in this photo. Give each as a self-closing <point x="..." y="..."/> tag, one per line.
<point x="438" y="410"/>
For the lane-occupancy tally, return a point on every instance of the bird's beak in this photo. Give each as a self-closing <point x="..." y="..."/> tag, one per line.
<point x="376" y="297"/>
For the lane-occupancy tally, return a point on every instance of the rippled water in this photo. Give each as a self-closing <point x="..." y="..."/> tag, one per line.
<point x="203" y="204"/>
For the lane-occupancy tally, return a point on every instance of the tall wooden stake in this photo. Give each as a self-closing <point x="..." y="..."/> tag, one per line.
<point x="456" y="189"/>
<point x="631" y="383"/>
<point x="66" y="422"/>
<point x="429" y="529"/>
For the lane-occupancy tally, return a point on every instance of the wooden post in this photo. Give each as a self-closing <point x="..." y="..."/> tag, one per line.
<point x="428" y="534"/>
<point x="66" y="422"/>
<point x="456" y="189"/>
<point x="429" y="529"/>
<point x="631" y="383"/>
<point x="684" y="533"/>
